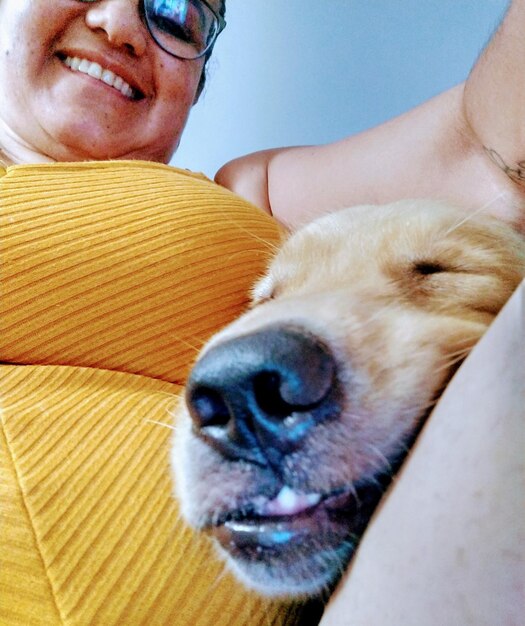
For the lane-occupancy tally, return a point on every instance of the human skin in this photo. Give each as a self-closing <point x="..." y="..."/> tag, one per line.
<point x="463" y="146"/>
<point x="50" y="113"/>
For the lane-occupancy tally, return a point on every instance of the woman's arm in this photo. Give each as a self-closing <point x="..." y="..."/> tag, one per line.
<point x="248" y="176"/>
<point x="438" y="149"/>
<point x="448" y="544"/>
<point x="296" y="184"/>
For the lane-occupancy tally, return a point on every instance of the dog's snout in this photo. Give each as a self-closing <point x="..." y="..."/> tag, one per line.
<point x="257" y="396"/>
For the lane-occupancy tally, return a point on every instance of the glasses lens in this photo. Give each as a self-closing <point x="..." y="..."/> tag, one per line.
<point x="185" y="28"/>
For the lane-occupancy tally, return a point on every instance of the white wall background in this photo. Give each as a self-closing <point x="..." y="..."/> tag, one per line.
<point x="287" y="72"/>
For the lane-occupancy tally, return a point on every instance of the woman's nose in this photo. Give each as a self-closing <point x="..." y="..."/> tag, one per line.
<point x="121" y="22"/>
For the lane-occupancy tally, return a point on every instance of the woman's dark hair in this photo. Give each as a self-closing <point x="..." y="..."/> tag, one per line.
<point x="202" y="81"/>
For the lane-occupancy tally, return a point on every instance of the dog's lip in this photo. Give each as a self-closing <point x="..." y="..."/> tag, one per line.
<point x="249" y="533"/>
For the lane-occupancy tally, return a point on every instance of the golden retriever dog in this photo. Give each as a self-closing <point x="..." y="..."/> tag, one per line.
<point x="299" y="413"/>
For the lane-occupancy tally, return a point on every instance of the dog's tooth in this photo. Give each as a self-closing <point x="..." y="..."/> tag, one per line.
<point x="289" y="502"/>
<point x="287" y="499"/>
<point x="313" y="498"/>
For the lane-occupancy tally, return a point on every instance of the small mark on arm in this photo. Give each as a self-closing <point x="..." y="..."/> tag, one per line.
<point x="516" y="173"/>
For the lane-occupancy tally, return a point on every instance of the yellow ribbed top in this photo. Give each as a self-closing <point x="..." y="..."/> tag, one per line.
<point x="122" y="265"/>
<point x="112" y="276"/>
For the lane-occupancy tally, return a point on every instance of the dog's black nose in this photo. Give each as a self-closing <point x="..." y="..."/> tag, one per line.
<point x="257" y="396"/>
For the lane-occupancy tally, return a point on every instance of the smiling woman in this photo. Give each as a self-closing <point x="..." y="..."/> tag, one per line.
<point x="97" y="80"/>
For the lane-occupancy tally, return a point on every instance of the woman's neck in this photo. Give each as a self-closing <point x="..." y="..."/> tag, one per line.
<point x="18" y="157"/>
<point x="14" y="150"/>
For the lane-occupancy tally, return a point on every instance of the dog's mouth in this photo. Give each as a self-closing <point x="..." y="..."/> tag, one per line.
<point x="305" y="524"/>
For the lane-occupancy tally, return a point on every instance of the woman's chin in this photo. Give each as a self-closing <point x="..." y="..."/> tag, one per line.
<point x="79" y="138"/>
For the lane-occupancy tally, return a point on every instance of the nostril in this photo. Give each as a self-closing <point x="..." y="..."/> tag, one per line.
<point x="214" y="422"/>
<point x="267" y="389"/>
<point x="207" y="408"/>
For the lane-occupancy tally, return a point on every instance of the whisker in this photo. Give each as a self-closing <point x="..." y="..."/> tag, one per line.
<point x="196" y="346"/>
<point x="163" y="424"/>
<point x="455" y="356"/>
<point x="240" y="253"/>
<point x="359" y="324"/>
<point x="374" y="480"/>
<point x="405" y="447"/>
<point x="169" y="394"/>
<point x="423" y="409"/>
<point x="471" y="343"/>
<point x="453" y="361"/>
<point x="325" y="593"/>
<point x="384" y="461"/>
<point x="473" y="214"/>
<point x="385" y="309"/>
<point x="355" y="495"/>
<point x="220" y="576"/>
<point x="267" y="244"/>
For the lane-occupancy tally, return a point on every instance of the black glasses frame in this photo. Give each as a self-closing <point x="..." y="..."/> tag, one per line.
<point x="221" y="22"/>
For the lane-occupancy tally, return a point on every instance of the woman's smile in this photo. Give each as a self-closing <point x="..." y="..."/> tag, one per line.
<point x="103" y="74"/>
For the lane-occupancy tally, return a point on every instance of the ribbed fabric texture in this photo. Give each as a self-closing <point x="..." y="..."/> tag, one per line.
<point x="126" y="266"/>
<point x="112" y="276"/>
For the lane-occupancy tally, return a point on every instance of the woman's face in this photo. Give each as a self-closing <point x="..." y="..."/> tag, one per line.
<point x="66" y="114"/>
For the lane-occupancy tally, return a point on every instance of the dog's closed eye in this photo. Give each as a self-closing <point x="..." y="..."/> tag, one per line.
<point x="424" y="268"/>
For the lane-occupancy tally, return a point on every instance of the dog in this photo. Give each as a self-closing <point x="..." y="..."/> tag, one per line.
<point x="299" y="413"/>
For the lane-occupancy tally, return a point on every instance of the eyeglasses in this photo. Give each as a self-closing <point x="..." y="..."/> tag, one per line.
<point x="186" y="29"/>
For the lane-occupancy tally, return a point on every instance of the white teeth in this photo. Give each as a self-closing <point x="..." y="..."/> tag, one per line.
<point x="96" y="71"/>
<point x="84" y="66"/>
<point x="73" y="63"/>
<point x="108" y="77"/>
<point x="127" y="91"/>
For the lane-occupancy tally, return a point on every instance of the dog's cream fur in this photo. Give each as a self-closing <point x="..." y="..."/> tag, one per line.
<point x="400" y="294"/>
